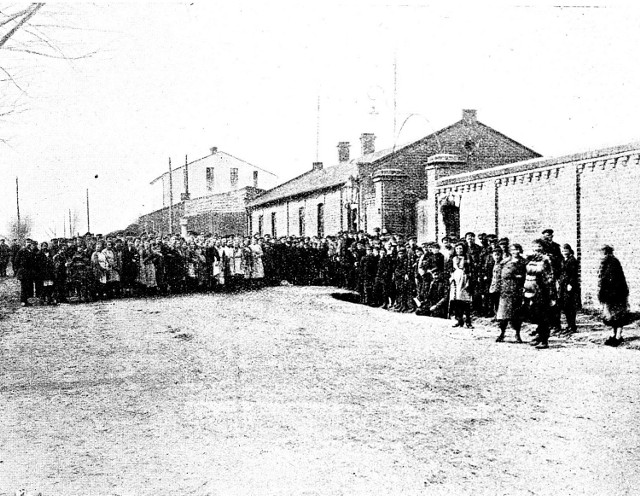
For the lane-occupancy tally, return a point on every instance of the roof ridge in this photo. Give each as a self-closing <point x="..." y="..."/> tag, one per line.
<point x="211" y="155"/>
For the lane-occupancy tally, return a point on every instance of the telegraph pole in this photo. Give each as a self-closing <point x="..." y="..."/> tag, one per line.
<point x="170" y="199"/>
<point x="88" y="225"/>
<point x="17" y="201"/>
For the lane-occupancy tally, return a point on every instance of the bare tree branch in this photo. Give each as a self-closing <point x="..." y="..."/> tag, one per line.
<point x="34" y="52"/>
<point x="31" y="12"/>
<point x="10" y="78"/>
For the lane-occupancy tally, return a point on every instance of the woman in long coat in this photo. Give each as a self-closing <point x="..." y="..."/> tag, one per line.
<point x="461" y="280"/>
<point x="569" y="288"/>
<point x="114" y="267"/>
<point x="257" y="266"/>
<point x="613" y="293"/>
<point x="247" y="258"/>
<point x="494" y="289"/>
<point x="512" y="274"/>
<point x="100" y="266"/>
<point x="147" y="275"/>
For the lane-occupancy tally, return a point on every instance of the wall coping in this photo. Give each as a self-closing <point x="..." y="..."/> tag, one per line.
<point x="537" y="163"/>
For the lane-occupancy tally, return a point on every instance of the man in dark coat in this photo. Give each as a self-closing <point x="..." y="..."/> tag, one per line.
<point x="367" y="270"/>
<point x="474" y="252"/>
<point x="130" y="267"/>
<point x="436" y="303"/>
<point x="383" y="286"/>
<point x="569" y="288"/>
<point x="60" y="274"/>
<point x="401" y="279"/>
<point x="552" y="250"/>
<point x="25" y="267"/>
<point x="5" y="257"/>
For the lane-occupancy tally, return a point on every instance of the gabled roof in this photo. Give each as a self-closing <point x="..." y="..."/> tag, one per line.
<point x="316" y="180"/>
<point x="401" y="148"/>
<point x="218" y="152"/>
<point x="313" y="180"/>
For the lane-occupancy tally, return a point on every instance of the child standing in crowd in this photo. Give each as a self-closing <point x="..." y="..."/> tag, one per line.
<point x="462" y="281"/>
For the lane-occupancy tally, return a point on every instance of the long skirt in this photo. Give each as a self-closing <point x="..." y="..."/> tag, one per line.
<point x="615" y="314"/>
<point x="147" y="275"/>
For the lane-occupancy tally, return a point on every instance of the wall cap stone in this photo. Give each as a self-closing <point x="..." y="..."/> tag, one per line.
<point x="535" y="164"/>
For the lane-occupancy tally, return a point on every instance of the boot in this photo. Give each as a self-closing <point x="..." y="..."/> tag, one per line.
<point x="500" y="338"/>
<point x="518" y="338"/>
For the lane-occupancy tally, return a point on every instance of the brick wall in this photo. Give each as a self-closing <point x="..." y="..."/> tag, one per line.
<point x="231" y="201"/>
<point x="331" y="199"/>
<point x="542" y="199"/>
<point x="589" y="199"/>
<point x="477" y="208"/>
<point x="224" y="213"/>
<point x="221" y="223"/>
<point x="609" y="202"/>
<point x="158" y="221"/>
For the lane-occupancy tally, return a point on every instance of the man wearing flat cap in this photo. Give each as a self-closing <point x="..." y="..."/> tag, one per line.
<point x="552" y="250"/>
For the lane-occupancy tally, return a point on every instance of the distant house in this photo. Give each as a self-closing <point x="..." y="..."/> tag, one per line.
<point x="379" y="189"/>
<point x="208" y="194"/>
<point x="218" y="172"/>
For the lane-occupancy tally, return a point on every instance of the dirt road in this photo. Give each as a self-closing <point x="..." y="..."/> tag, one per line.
<point x="289" y="391"/>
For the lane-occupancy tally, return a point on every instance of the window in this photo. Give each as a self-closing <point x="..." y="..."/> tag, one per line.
<point x="320" y="220"/>
<point x="210" y="177"/>
<point x="260" y="224"/>
<point x="255" y="179"/>
<point x="274" y="231"/>
<point x="301" y="224"/>
<point x="234" y="176"/>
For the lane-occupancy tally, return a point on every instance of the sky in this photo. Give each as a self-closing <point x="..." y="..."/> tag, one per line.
<point x="153" y="81"/>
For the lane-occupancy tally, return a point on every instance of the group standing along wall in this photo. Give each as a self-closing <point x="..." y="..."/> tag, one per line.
<point x="588" y="199"/>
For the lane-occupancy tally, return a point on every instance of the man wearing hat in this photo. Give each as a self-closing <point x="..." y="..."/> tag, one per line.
<point x="552" y="250"/>
<point x="436" y="302"/>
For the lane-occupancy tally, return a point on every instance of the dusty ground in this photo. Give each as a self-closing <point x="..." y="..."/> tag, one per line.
<point x="290" y="391"/>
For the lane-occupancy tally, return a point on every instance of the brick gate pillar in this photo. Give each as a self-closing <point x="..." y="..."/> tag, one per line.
<point x="438" y="165"/>
<point x="391" y="208"/>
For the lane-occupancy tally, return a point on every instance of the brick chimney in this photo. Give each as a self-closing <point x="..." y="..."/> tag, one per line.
<point x="367" y="140"/>
<point x="214" y="150"/>
<point x="469" y="116"/>
<point x="317" y="166"/>
<point x="343" y="151"/>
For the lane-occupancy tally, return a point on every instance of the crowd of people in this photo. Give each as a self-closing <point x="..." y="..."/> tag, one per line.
<point x="457" y="279"/>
